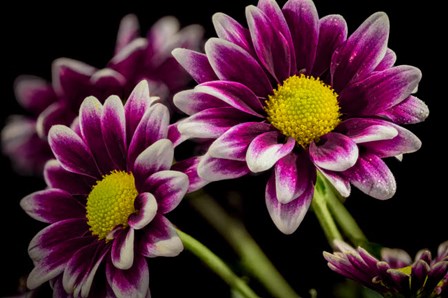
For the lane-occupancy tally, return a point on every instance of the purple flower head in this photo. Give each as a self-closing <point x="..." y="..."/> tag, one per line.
<point x="395" y="275"/>
<point x="293" y="94"/>
<point x="24" y="139"/>
<point x="108" y="192"/>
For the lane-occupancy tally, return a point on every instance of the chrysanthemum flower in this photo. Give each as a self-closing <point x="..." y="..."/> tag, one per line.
<point x="293" y="95"/>
<point x="108" y="191"/>
<point x="24" y="139"/>
<point x="395" y="275"/>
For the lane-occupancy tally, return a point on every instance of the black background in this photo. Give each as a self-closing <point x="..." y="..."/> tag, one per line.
<point x="33" y="36"/>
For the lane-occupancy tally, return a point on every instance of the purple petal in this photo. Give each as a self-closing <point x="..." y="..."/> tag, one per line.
<point x="174" y="134"/>
<point x="287" y="217"/>
<point x="52" y="205"/>
<point x="196" y="64"/>
<point x="168" y="187"/>
<point x="56" y="177"/>
<point x="396" y="258"/>
<point x="340" y="183"/>
<point x="56" y="113"/>
<point x="303" y="22"/>
<point x="129" y="58"/>
<point x="147" y="207"/>
<point x="157" y="157"/>
<point x="211" y="123"/>
<point x="160" y="239"/>
<point x="291" y="177"/>
<point x="228" y="29"/>
<point x="372" y="176"/>
<point x="189" y="166"/>
<point x="419" y="275"/>
<point x="270" y="46"/>
<point x="335" y="152"/>
<point x="33" y="93"/>
<point x="380" y="91"/>
<point x="265" y="150"/>
<point x="69" y="75"/>
<point x="410" y="111"/>
<point x="127" y="32"/>
<point x="232" y="63"/>
<point x="442" y="251"/>
<point x="362" y="52"/>
<point x="122" y="252"/>
<point x="113" y="128"/>
<point x="72" y="152"/>
<point x="362" y="130"/>
<point x="106" y="82"/>
<point x="235" y="95"/>
<point x="332" y="33"/>
<point x="133" y="282"/>
<point x="234" y="142"/>
<point x="388" y="61"/>
<point x="215" y="169"/>
<point x="152" y="127"/>
<point x="80" y="271"/>
<point x="192" y="101"/>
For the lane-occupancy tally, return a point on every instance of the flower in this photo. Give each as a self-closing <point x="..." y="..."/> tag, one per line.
<point x="395" y="274"/>
<point x="293" y="95"/>
<point x="108" y="192"/>
<point x="24" y="139"/>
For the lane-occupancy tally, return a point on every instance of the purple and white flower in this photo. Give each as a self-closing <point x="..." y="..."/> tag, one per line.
<point x="395" y="274"/>
<point x="24" y="138"/>
<point x="108" y="192"/>
<point x="295" y="95"/>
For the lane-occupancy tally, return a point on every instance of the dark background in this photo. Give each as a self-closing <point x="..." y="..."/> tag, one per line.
<point x="33" y="36"/>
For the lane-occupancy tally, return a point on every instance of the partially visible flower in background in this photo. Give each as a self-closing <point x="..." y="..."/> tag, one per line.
<point x="395" y="275"/>
<point x="24" y="138"/>
<point x="108" y="192"/>
<point x="294" y="96"/>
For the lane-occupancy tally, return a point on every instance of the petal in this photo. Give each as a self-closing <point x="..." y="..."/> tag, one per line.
<point x="196" y="64"/>
<point x="133" y="282"/>
<point x="56" y="177"/>
<point x="122" y="252"/>
<point x="34" y="93"/>
<point x="189" y="166"/>
<point x="380" y="91"/>
<point x="71" y="151"/>
<point x="52" y="205"/>
<point x="270" y="46"/>
<point x="419" y="275"/>
<point x="388" y="61"/>
<point x="160" y="239"/>
<point x="410" y="111"/>
<point x="174" y="134"/>
<point x="127" y="32"/>
<point x="215" y="169"/>
<point x="332" y="33"/>
<point x="341" y="184"/>
<point x="157" y="157"/>
<point x="335" y="152"/>
<point x="287" y="217"/>
<point x="168" y="187"/>
<point x="152" y="127"/>
<point x="129" y="58"/>
<point x="303" y="22"/>
<point x="234" y="142"/>
<point x="106" y="82"/>
<point x="192" y="101"/>
<point x="362" y="52"/>
<point x="146" y="208"/>
<point x="228" y="29"/>
<point x="232" y="63"/>
<point x="210" y="123"/>
<point x="265" y="150"/>
<point x="362" y="130"/>
<point x="56" y="113"/>
<point x="113" y="128"/>
<point x="372" y="176"/>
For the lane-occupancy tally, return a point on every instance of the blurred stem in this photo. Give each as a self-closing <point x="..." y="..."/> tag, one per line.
<point x="216" y="264"/>
<point x="320" y="208"/>
<point x="252" y="257"/>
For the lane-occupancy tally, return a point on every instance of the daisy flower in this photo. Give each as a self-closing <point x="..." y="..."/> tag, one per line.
<point x="108" y="192"/>
<point x="294" y="95"/>
<point x="395" y="274"/>
<point x="24" y="138"/>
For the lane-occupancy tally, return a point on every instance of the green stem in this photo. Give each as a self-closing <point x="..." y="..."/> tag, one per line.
<point x="216" y="264"/>
<point x="252" y="257"/>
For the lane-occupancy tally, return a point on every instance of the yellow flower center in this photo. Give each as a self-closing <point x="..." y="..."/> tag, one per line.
<point x="303" y="108"/>
<point x="110" y="203"/>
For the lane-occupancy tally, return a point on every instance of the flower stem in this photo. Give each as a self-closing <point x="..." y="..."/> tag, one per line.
<point x="252" y="257"/>
<point x="320" y="208"/>
<point x="216" y="264"/>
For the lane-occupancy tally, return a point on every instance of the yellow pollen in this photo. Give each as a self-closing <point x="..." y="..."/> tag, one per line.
<point x="110" y="203"/>
<point x="303" y="108"/>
